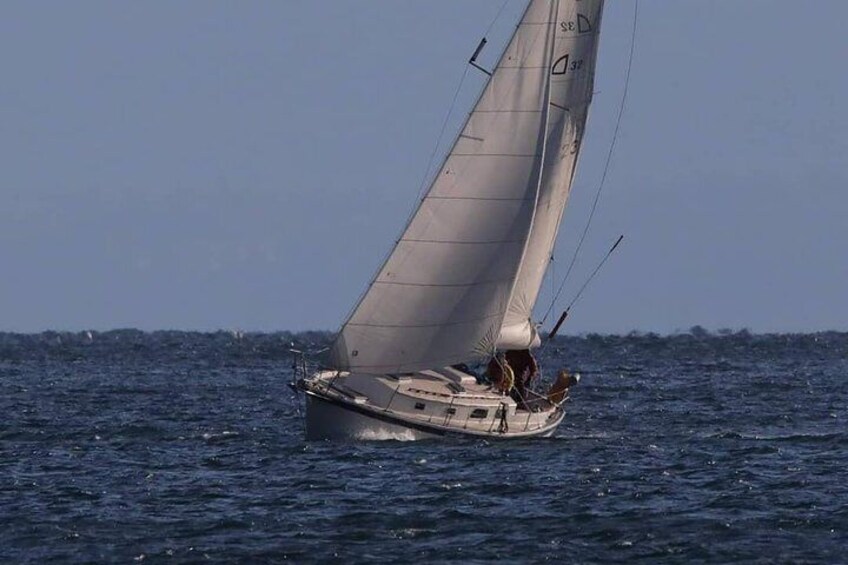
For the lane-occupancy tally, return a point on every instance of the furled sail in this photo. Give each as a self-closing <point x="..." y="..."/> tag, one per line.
<point x="572" y="83"/>
<point x="455" y="276"/>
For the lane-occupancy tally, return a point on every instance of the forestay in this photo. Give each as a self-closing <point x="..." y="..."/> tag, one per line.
<point x="472" y="257"/>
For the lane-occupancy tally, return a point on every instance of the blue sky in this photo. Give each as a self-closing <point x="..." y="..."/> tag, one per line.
<point x="204" y="165"/>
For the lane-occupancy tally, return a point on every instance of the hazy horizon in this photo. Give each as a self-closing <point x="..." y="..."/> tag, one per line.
<point x="695" y="330"/>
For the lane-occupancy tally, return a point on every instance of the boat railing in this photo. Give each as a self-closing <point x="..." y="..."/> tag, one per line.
<point x="430" y="393"/>
<point x="302" y="366"/>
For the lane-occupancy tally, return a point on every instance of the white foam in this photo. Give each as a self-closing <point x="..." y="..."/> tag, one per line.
<point x="383" y="434"/>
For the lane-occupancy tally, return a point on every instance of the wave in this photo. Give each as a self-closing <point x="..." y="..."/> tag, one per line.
<point x="796" y="437"/>
<point x="386" y="435"/>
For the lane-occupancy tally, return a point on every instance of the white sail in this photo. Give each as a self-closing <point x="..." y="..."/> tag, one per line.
<point x="446" y="289"/>
<point x="572" y="84"/>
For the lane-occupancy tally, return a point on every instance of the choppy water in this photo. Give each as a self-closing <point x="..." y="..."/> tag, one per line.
<point x="172" y="446"/>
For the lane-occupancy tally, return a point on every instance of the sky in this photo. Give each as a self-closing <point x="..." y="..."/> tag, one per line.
<point x="209" y="165"/>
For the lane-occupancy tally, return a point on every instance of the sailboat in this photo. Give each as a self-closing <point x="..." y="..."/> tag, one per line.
<point x="460" y="285"/>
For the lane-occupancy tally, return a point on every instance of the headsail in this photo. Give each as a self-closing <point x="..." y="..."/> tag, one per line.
<point x="572" y="85"/>
<point x="456" y="273"/>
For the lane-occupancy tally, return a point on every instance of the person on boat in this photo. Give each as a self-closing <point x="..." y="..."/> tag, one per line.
<point x="526" y="369"/>
<point x="559" y="390"/>
<point x="500" y="373"/>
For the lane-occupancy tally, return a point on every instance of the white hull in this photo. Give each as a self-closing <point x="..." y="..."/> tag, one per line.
<point x="415" y="408"/>
<point x="327" y="421"/>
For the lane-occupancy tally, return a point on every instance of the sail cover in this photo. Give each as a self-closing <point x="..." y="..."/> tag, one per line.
<point x="464" y="276"/>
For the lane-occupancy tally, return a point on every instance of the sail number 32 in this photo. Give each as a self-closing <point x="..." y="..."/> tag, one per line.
<point x="582" y="25"/>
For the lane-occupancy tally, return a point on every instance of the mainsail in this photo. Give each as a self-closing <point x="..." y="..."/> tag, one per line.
<point x="463" y="278"/>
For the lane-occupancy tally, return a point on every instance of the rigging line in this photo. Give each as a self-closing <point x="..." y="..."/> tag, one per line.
<point x="497" y="17"/>
<point x="428" y="170"/>
<point x="427" y="173"/>
<point x="580" y="292"/>
<point x="595" y="272"/>
<point x="607" y="164"/>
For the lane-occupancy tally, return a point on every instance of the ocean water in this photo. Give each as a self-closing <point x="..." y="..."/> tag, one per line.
<point x="184" y="447"/>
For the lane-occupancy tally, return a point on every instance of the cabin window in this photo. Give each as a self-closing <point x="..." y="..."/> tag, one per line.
<point x="450" y="411"/>
<point x="420" y="406"/>
<point x="479" y="414"/>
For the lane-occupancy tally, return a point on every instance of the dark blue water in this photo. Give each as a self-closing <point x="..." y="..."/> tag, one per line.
<point x="170" y="446"/>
